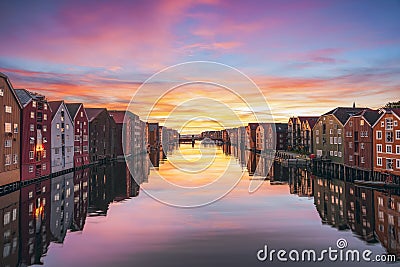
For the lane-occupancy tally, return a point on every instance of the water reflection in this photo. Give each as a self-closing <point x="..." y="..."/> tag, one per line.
<point x="49" y="211"/>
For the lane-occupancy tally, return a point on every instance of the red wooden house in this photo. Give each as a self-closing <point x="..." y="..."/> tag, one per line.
<point x="81" y="133"/>
<point x="36" y="135"/>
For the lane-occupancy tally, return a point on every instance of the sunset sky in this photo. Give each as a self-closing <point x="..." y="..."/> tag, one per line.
<point x="307" y="57"/>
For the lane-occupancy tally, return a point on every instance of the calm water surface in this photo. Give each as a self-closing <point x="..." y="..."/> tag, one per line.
<point x="102" y="217"/>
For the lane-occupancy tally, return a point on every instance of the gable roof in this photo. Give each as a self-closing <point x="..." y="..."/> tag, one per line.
<point x="281" y="127"/>
<point x="312" y="120"/>
<point x="343" y="113"/>
<point x="92" y="113"/>
<point x="5" y="77"/>
<point x="371" y="116"/>
<point x="73" y="108"/>
<point x="25" y="96"/>
<point x="54" y="105"/>
<point x="117" y="115"/>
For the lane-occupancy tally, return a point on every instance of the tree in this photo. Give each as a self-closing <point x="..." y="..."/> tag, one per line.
<point x="393" y="105"/>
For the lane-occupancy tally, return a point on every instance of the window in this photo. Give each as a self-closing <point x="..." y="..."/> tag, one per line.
<point x="362" y="145"/>
<point x="362" y="122"/>
<point x="57" y="151"/>
<point x="45" y="106"/>
<point x="15" y="159"/>
<point x="8" y="143"/>
<point x="44" y="166"/>
<point x="379" y="148"/>
<point x="8" y="109"/>
<point x="1" y="91"/>
<point x="331" y="153"/>
<point x="34" y="103"/>
<point x="32" y="127"/>
<point x="30" y="195"/>
<point x="389" y="164"/>
<point x="350" y="157"/>
<point x="44" y="153"/>
<point x="15" y="127"/>
<point x="389" y="137"/>
<point x="85" y="138"/>
<point x="366" y="134"/>
<point x="388" y="148"/>
<point x="362" y="160"/>
<point x="14" y="214"/>
<point x="317" y="140"/>
<point x="85" y="148"/>
<point x="379" y="161"/>
<point x="84" y="123"/>
<point x="335" y="140"/>
<point x="45" y="117"/>
<point x="382" y="124"/>
<point x="7" y="127"/>
<point x="58" y="126"/>
<point x="351" y="123"/>
<point x="67" y="126"/>
<point x="339" y="154"/>
<point x="397" y="163"/>
<point x="330" y="131"/>
<point x="389" y="124"/>
<point x="317" y="132"/>
<point x="339" y="131"/>
<point x="362" y="133"/>
<point x="397" y="149"/>
<point x="81" y="113"/>
<point x="335" y="153"/>
<point x="44" y="128"/>
<point x="6" y="218"/>
<point x="32" y="115"/>
<point x="339" y="140"/>
<point x="30" y="168"/>
<point x="31" y="140"/>
<point x="31" y="154"/>
<point x="350" y="145"/>
<point x="8" y="160"/>
<point x="397" y="134"/>
<point x="331" y="140"/>
<point x="379" y="135"/>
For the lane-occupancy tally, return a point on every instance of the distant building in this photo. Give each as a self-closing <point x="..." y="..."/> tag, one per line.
<point x="153" y="135"/>
<point x="251" y="135"/>
<point x="328" y="133"/>
<point x="81" y="135"/>
<point x="266" y="137"/>
<point x="358" y="145"/>
<point x="300" y="133"/>
<point x="81" y="178"/>
<point x="281" y="136"/>
<point x="62" y="137"/>
<point x="102" y="134"/>
<point x="10" y="137"/>
<point x="36" y="135"/>
<point x="387" y="142"/>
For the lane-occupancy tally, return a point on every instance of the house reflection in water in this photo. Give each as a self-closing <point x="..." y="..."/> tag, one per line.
<point x="80" y="199"/>
<point x="387" y="212"/>
<point x="9" y="230"/>
<point x="35" y="232"/>
<point x="62" y="206"/>
<point x="300" y="182"/>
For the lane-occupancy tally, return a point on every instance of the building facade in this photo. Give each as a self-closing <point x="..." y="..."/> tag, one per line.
<point x="281" y="136"/>
<point x="10" y="137"/>
<point x="36" y="135"/>
<point x="102" y="134"/>
<point x="358" y="145"/>
<point x="62" y="137"/>
<point x="81" y="133"/>
<point x="328" y="133"/>
<point x="386" y="141"/>
<point x="300" y="133"/>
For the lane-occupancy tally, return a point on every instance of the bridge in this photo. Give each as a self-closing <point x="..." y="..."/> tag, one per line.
<point x="188" y="138"/>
